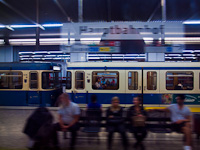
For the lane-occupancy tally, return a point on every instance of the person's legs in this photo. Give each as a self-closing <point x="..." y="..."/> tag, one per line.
<point x="55" y="136"/>
<point x="187" y="133"/>
<point x="73" y="129"/>
<point x="121" y="129"/>
<point x="110" y="135"/>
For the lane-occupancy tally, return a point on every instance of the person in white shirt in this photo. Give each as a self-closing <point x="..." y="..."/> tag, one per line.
<point x="69" y="114"/>
<point x="181" y="119"/>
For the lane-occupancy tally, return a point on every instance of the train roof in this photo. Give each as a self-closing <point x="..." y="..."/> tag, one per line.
<point x="27" y="66"/>
<point x="79" y="65"/>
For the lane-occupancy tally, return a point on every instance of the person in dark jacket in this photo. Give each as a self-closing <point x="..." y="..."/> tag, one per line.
<point x="39" y="128"/>
<point x="115" y="122"/>
<point x="137" y="116"/>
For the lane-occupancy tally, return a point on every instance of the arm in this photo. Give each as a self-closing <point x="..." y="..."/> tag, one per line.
<point x="76" y="119"/>
<point x="61" y="121"/>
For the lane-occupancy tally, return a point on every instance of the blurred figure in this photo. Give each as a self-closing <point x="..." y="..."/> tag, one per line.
<point x="94" y="104"/>
<point x="39" y="128"/>
<point x="115" y="122"/>
<point x="113" y="82"/>
<point x="98" y="84"/>
<point x="108" y="83"/>
<point x="69" y="114"/>
<point x="181" y="119"/>
<point x="137" y="117"/>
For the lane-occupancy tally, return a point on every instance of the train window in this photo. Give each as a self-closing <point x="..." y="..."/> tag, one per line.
<point x="47" y="80"/>
<point x="11" y="80"/>
<point x="69" y="80"/>
<point x="57" y="79"/>
<point x="151" y="80"/>
<point x="33" y="80"/>
<point x="105" y="80"/>
<point x="80" y="81"/>
<point x="132" y="80"/>
<point x="179" y="80"/>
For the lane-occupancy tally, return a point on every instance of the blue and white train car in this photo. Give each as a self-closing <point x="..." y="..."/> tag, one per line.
<point x="29" y="84"/>
<point x="157" y="82"/>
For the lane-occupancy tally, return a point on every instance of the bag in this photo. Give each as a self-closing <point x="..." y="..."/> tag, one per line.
<point x="138" y="121"/>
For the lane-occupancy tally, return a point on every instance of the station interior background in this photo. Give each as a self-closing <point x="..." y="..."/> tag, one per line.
<point x="27" y="27"/>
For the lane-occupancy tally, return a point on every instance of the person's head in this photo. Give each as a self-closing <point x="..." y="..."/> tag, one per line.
<point x="93" y="98"/>
<point x="115" y="101"/>
<point x="137" y="100"/>
<point x="64" y="99"/>
<point x="98" y="80"/>
<point x="180" y="99"/>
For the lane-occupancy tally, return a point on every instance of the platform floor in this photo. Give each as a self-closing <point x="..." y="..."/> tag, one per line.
<point x="12" y="138"/>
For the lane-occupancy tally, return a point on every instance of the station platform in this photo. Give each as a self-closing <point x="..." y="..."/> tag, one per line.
<point x="12" y="122"/>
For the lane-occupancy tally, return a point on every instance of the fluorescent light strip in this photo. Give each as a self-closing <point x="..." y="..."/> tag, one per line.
<point x="2" y="26"/>
<point x="192" y="22"/>
<point x="23" y="26"/>
<point x="22" y="40"/>
<point x="52" y="25"/>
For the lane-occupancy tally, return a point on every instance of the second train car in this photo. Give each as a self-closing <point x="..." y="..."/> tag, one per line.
<point x="157" y="82"/>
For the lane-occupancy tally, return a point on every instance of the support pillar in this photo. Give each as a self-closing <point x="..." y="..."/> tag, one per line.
<point x="6" y="54"/>
<point x="78" y="57"/>
<point x="152" y="57"/>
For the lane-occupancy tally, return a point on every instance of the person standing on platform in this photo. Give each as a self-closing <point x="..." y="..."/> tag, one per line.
<point x="69" y="115"/>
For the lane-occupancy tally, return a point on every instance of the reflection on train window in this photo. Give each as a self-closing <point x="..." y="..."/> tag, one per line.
<point x="47" y="80"/>
<point x="151" y="80"/>
<point x="80" y="82"/>
<point x="132" y="80"/>
<point x="33" y="80"/>
<point x="179" y="80"/>
<point x="11" y="80"/>
<point x="105" y="80"/>
<point x="69" y="80"/>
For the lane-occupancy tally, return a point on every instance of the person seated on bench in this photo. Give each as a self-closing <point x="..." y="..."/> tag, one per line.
<point x="94" y="104"/>
<point x="137" y="117"/>
<point x="181" y="118"/>
<point x="69" y="114"/>
<point x="115" y="122"/>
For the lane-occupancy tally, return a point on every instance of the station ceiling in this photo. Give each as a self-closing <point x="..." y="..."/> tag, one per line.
<point x="60" y="11"/>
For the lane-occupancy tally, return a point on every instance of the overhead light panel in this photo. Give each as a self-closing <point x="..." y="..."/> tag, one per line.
<point x="52" y="25"/>
<point x="192" y="22"/>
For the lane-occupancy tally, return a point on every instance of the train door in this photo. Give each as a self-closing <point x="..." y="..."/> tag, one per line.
<point x="33" y="94"/>
<point x="133" y="84"/>
<point x="79" y="89"/>
<point x="151" y="87"/>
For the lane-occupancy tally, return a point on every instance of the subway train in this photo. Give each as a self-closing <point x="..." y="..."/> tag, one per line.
<point x="157" y="82"/>
<point x="29" y="84"/>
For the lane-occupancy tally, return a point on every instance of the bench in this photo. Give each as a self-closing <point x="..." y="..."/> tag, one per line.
<point x="157" y="122"/>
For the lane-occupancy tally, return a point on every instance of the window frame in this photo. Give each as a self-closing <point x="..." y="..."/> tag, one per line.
<point x="118" y="78"/>
<point x="8" y="75"/>
<point x="131" y="79"/>
<point x="70" y="79"/>
<point x="156" y="81"/>
<point x="193" y="74"/>
<point x="36" y="80"/>
<point x="79" y="81"/>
